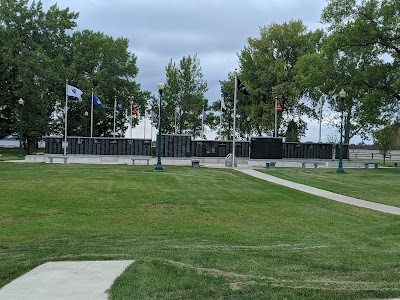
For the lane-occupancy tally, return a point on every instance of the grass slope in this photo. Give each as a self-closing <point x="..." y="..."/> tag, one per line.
<point x="376" y="185"/>
<point x="195" y="233"/>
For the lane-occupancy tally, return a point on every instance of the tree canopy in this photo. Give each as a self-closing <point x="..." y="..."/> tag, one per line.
<point x="40" y="51"/>
<point x="184" y="96"/>
<point x="268" y="70"/>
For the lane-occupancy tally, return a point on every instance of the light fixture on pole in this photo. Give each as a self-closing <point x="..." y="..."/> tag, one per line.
<point x="159" y="167"/>
<point x="86" y="114"/>
<point x="342" y="95"/>
<point x="21" y="104"/>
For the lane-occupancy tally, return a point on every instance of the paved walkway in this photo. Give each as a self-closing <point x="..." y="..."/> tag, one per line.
<point x="315" y="191"/>
<point x="72" y="280"/>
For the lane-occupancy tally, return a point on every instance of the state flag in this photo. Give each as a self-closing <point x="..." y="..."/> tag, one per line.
<point x="97" y="101"/>
<point x="74" y="92"/>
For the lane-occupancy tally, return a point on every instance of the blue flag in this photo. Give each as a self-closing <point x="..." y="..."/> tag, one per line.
<point x="119" y="106"/>
<point x="205" y="115"/>
<point x="97" y="101"/>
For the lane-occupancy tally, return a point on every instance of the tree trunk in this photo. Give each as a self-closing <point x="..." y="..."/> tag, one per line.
<point x="31" y="145"/>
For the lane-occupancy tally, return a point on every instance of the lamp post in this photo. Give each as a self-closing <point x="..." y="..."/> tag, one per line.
<point x="159" y="167"/>
<point x="342" y="95"/>
<point x="21" y="104"/>
<point x="86" y="114"/>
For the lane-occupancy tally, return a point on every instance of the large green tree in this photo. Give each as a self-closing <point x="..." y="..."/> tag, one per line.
<point x="364" y="37"/>
<point x="100" y="62"/>
<point x="325" y="73"/>
<point x="33" y="44"/>
<point x="185" y="94"/>
<point x="268" y="71"/>
<point x="39" y="53"/>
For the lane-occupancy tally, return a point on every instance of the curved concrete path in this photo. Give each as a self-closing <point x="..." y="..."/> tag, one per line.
<point x="66" y="280"/>
<point x="315" y="191"/>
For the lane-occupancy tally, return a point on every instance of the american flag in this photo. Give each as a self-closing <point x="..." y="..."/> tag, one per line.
<point x="153" y="116"/>
<point x="133" y="110"/>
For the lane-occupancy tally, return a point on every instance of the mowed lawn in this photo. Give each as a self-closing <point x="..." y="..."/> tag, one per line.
<point x="195" y="233"/>
<point x="380" y="185"/>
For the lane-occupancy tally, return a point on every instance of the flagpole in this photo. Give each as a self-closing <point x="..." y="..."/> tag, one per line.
<point x="276" y="117"/>
<point x="220" y="122"/>
<point x="131" y="116"/>
<point x="115" y="110"/>
<point x="234" y="120"/>
<point x="66" y="117"/>
<point x="151" y="129"/>
<point x="91" y="116"/>
<point x="144" y="125"/>
<point x="175" y="120"/>
<point x="202" y="124"/>
<point x="320" y="121"/>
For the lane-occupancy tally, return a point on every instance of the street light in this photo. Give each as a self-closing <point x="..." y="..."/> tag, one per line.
<point x="159" y="167"/>
<point x="21" y="104"/>
<point x="342" y="95"/>
<point x="86" y="114"/>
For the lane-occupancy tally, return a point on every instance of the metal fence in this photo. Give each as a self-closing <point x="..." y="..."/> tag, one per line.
<point x="373" y="155"/>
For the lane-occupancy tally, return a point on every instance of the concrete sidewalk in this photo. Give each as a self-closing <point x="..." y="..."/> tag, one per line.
<point x="70" y="280"/>
<point x="318" y="192"/>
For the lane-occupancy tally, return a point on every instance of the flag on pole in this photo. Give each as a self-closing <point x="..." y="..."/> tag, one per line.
<point x="241" y="87"/>
<point x="177" y="115"/>
<point x="119" y="106"/>
<point x="205" y="116"/>
<point x="74" y="92"/>
<point x="133" y="110"/>
<point x="278" y="107"/>
<point x="153" y="116"/>
<point x="97" y="101"/>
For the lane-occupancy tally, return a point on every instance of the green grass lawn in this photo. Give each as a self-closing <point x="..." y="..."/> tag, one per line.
<point x="376" y="185"/>
<point x="10" y="154"/>
<point x="195" y="233"/>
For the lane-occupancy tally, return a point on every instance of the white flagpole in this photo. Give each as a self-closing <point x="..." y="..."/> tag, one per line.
<point x="151" y="128"/>
<point x="131" y="116"/>
<point x="91" y="116"/>
<point x="202" y="124"/>
<point x="175" y="120"/>
<point x="144" y="125"/>
<point x="220" y="122"/>
<point x="320" y="120"/>
<point x="234" y="120"/>
<point x="276" y="117"/>
<point x="66" y="117"/>
<point x="115" y="112"/>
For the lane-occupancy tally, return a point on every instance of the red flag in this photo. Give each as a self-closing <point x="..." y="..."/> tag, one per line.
<point x="133" y="111"/>
<point x="278" y="107"/>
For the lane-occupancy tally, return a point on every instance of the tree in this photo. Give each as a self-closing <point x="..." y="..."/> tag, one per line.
<point x="104" y="64"/>
<point x="293" y="131"/>
<point x="369" y="31"/>
<point x="386" y="139"/>
<point x="268" y="71"/>
<point x="39" y="55"/>
<point x="329" y="70"/>
<point x="184" y="92"/>
<point x="33" y="44"/>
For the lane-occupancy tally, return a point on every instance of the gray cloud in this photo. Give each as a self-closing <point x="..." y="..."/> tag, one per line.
<point x="214" y="29"/>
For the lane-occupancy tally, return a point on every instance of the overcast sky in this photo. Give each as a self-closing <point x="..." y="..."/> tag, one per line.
<point x="217" y="30"/>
